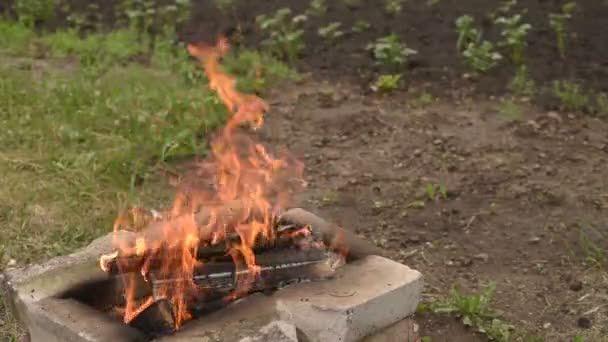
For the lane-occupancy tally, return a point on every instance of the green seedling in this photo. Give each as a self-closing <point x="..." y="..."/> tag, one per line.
<point x="521" y="84"/>
<point x="479" y="54"/>
<point x="225" y="6"/>
<point x="387" y="82"/>
<point x="435" y="191"/>
<point x="393" y="7"/>
<point x="571" y="95"/>
<point x="481" y="57"/>
<point x="559" y="23"/>
<point x="467" y="33"/>
<point x="514" y="32"/>
<point x="475" y="311"/>
<point x="285" y="33"/>
<point x="361" y="26"/>
<point x="331" y="32"/>
<point x="423" y="99"/>
<point x="31" y="12"/>
<point x="352" y="3"/>
<point x="317" y="8"/>
<point x="601" y="102"/>
<point x="390" y="51"/>
<point x="510" y="110"/>
<point x="504" y="8"/>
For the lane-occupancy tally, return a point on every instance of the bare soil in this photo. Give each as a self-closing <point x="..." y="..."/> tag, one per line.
<point x="521" y="198"/>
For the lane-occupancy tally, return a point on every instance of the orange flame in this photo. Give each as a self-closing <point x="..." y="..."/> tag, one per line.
<point x="248" y="191"/>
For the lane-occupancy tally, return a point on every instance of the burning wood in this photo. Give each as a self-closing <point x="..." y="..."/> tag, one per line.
<point x="228" y="240"/>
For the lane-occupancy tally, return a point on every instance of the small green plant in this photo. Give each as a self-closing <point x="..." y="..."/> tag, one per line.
<point x="393" y="7"/>
<point x="474" y="311"/>
<point x="432" y="3"/>
<point x="590" y="241"/>
<point x="435" y="191"/>
<point x="390" y="51"/>
<point x="480" y="55"/>
<point x="285" y="33"/>
<point x="571" y="95"/>
<point x="361" y="26"/>
<point x="317" y="7"/>
<point x="31" y="12"/>
<point x="514" y="32"/>
<point x="510" y="110"/>
<point x="256" y="72"/>
<point x="225" y="6"/>
<point x="386" y="82"/>
<point x="423" y="99"/>
<point x="559" y="23"/>
<point x="331" y="32"/>
<point x="601" y="104"/>
<point x="521" y="84"/>
<point x="352" y="3"/>
<point x="505" y="7"/>
<point x="467" y="33"/>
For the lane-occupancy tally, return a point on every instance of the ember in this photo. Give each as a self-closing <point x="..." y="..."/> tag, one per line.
<point x="223" y="241"/>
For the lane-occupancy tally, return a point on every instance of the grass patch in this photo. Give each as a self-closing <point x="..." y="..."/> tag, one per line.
<point x="475" y="311"/>
<point x="76" y="145"/>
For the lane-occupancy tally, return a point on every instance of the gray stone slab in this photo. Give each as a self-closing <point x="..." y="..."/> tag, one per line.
<point x="365" y="296"/>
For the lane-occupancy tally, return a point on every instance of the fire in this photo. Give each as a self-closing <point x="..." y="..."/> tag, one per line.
<point x="249" y="190"/>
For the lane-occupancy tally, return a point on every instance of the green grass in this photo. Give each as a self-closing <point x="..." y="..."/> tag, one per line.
<point x="475" y="310"/>
<point x="87" y="128"/>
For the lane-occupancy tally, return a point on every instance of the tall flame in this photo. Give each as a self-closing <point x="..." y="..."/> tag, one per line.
<point x="249" y="189"/>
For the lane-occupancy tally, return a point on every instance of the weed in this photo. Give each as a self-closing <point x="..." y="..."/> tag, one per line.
<point x="393" y="7"/>
<point x="595" y="255"/>
<point x="505" y="7"/>
<point x="571" y="95"/>
<point x="578" y="338"/>
<point x="352" y="3"/>
<point x="331" y="32"/>
<point x="474" y="311"/>
<point x="257" y="72"/>
<point x="285" y="33"/>
<point x="361" y="26"/>
<point x="515" y="33"/>
<point x="432" y="3"/>
<point x="559" y="22"/>
<point x="390" y="51"/>
<point x="467" y="33"/>
<point x="425" y="339"/>
<point x="423" y="99"/>
<point x="151" y="19"/>
<point x="601" y="104"/>
<point x="434" y="191"/>
<point x="386" y="82"/>
<point x="521" y="84"/>
<point x="510" y="110"/>
<point x="225" y="6"/>
<point x="480" y="55"/>
<point x="317" y="7"/>
<point x="32" y="12"/>
<point x="15" y="37"/>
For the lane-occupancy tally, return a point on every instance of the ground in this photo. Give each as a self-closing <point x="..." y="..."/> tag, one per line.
<point x="454" y="173"/>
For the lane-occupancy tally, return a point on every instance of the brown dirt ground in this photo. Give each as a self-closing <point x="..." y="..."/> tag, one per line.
<point x="522" y="197"/>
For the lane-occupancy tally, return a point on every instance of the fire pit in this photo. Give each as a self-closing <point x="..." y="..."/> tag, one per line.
<point x="70" y="298"/>
<point x="192" y="271"/>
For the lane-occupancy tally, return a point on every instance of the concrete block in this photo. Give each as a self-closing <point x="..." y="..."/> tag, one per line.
<point x="365" y="296"/>
<point x="276" y="331"/>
